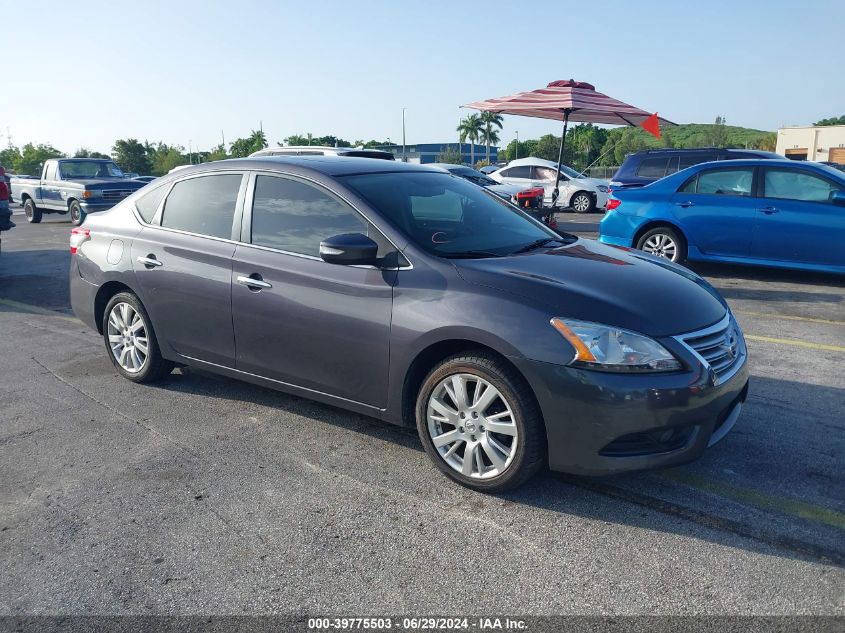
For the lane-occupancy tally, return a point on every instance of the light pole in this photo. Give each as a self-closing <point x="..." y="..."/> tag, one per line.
<point x="404" y="159"/>
<point x="516" y="150"/>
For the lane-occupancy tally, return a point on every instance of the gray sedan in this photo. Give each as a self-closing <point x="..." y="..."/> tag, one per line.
<point x="415" y="297"/>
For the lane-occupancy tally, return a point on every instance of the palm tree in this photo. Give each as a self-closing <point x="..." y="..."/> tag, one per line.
<point x="470" y="130"/>
<point x="490" y="120"/>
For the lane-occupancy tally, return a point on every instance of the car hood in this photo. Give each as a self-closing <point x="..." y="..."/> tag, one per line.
<point x="107" y="183"/>
<point x="590" y="281"/>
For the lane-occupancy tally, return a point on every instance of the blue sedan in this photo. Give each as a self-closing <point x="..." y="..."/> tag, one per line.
<point x="765" y="212"/>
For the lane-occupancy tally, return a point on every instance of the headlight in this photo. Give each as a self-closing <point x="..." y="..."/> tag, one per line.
<point x="603" y="188"/>
<point x="92" y="193"/>
<point x="606" y="348"/>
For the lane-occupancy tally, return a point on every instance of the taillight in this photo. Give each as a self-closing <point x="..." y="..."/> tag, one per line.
<point x="77" y="237"/>
<point x="613" y="203"/>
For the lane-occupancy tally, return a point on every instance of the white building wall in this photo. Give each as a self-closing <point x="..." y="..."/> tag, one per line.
<point x="815" y="141"/>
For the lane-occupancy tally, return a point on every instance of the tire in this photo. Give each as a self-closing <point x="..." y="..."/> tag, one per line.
<point x="516" y="414"/>
<point x="33" y="213"/>
<point x="152" y="366"/>
<point x="664" y="242"/>
<point x="77" y="215"/>
<point x="582" y="202"/>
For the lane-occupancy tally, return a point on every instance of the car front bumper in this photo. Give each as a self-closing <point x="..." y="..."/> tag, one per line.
<point x="600" y="423"/>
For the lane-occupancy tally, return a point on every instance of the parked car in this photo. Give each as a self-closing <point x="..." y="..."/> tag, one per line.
<point x="78" y="186"/>
<point x="838" y="166"/>
<point x="407" y="294"/>
<point x="522" y="196"/>
<point x="6" y="223"/>
<point x="645" y="167"/>
<point x="582" y="194"/>
<point x="315" y="150"/>
<point x="145" y="179"/>
<point x="9" y="178"/>
<point x="780" y="213"/>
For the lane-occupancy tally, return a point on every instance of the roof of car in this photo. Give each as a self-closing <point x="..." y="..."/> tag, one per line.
<point x="328" y="165"/>
<point x="760" y="162"/>
<point x="689" y="150"/>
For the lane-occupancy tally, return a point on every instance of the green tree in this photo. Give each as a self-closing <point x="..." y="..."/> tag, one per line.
<point x="10" y="158"/>
<point x="717" y="135"/>
<point x="490" y="120"/>
<point x="450" y="155"/>
<point x="33" y="156"/>
<point x="548" y="148"/>
<point x="216" y="153"/>
<point x="245" y="146"/>
<point x="165" y="157"/>
<point x="767" y="143"/>
<point x="84" y="152"/>
<point x="837" y="120"/>
<point x="131" y="156"/>
<point x="470" y="129"/>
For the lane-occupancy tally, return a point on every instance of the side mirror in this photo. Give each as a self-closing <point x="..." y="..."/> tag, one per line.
<point x="838" y="198"/>
<point x="349" y="249"/>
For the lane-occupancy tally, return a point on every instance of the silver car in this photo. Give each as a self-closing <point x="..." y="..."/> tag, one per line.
<point x="582" y="194"/>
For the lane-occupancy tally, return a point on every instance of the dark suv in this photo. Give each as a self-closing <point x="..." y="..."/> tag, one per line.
<point x="643" y="168"/>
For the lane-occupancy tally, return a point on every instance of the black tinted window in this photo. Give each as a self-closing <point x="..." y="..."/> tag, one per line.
<point x="204" y="205"/>
<point x="688" y="160"/>
<point x="147" y="204"/>
<point x="653" y="167"/>
<point x="722" y="182"/>
<point x="294" y="216"/>
<point x="522" y="171"/>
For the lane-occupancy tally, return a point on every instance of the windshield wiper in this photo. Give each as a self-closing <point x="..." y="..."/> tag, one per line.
<point x="471" y="254"/>
<point x="538" y="243"/>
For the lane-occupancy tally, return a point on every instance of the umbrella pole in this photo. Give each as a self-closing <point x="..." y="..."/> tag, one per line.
<point x="556" y="192"/>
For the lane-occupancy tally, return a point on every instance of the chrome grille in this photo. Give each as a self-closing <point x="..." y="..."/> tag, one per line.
<point x="116" y="194"/>
<point x="720" y="347"/>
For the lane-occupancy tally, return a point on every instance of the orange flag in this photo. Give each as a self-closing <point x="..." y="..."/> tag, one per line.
<point x="651" y="125"/>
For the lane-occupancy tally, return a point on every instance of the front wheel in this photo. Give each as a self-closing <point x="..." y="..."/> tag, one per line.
<point x="131" y="342"/>
<point x="664" y="242"/>
<point x="77" y="215"/>
<point x="479" y="423"/>
<point x="32" y="213"/>
<point x="582" y="203"/>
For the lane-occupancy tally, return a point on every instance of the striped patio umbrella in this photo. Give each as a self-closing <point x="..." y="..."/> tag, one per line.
<point x="571" y="101"/>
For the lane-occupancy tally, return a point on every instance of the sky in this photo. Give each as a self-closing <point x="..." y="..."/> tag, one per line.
<point x="86" y="73"/>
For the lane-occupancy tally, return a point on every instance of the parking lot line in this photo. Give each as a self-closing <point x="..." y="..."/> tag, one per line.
<point x="795" y="342"/>
<point x="785" y="505"/>
<point x="788" y="317"/>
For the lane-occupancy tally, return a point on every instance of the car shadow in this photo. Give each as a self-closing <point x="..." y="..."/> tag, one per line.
<point x="36" y="277"/>
<point x="741" y="493"/>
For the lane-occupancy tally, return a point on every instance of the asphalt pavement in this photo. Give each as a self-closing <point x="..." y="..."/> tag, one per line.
<point x="204" y="495"/>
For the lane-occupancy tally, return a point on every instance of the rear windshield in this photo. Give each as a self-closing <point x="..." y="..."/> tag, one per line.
<point x="363" y="153"/>
<point x="448" y="216"/>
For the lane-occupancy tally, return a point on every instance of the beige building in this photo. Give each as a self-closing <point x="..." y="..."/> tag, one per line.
<point x="823" y="143"/>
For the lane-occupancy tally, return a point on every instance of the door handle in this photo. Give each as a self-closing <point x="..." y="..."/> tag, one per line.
<point x="769" y="210"/>
<point x="253" y="283"/>
<point x="150" y="261"/>
<point x="685" y="205"/>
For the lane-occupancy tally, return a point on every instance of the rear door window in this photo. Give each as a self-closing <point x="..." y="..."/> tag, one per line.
<point x="653" y="167"/>
<point x="722" y="182"/>
<point x="204" y="205"/>
<point x="520" y="171"/>
<point x="148" y="204"/>
<point x="790" y="184"/>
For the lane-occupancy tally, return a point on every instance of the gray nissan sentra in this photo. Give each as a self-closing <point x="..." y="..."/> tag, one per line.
<point x="419" y="298"/>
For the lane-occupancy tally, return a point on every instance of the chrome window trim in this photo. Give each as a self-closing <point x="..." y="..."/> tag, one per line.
<point x="723" y="324"/>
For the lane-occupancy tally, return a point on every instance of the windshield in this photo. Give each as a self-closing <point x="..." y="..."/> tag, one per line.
<point x="448" y="216"/>
<point x="570" y="172"/>
<point x="90" y="169"/>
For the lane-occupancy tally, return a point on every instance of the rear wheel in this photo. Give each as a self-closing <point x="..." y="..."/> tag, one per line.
<point x="479" y="423"/>
<point x="582" y="202"/>
<point x="77" y="215"/>
<point x="664" y="242"/>
<point x="131" y="342"/>
<point x="32" y="213"/>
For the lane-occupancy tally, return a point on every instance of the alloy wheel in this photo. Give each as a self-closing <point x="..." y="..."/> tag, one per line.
<point x="661" y="245"/>
<point x="472" y="426"/>
<point x="581" y="203"/>
<point x="127" y="335"/>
